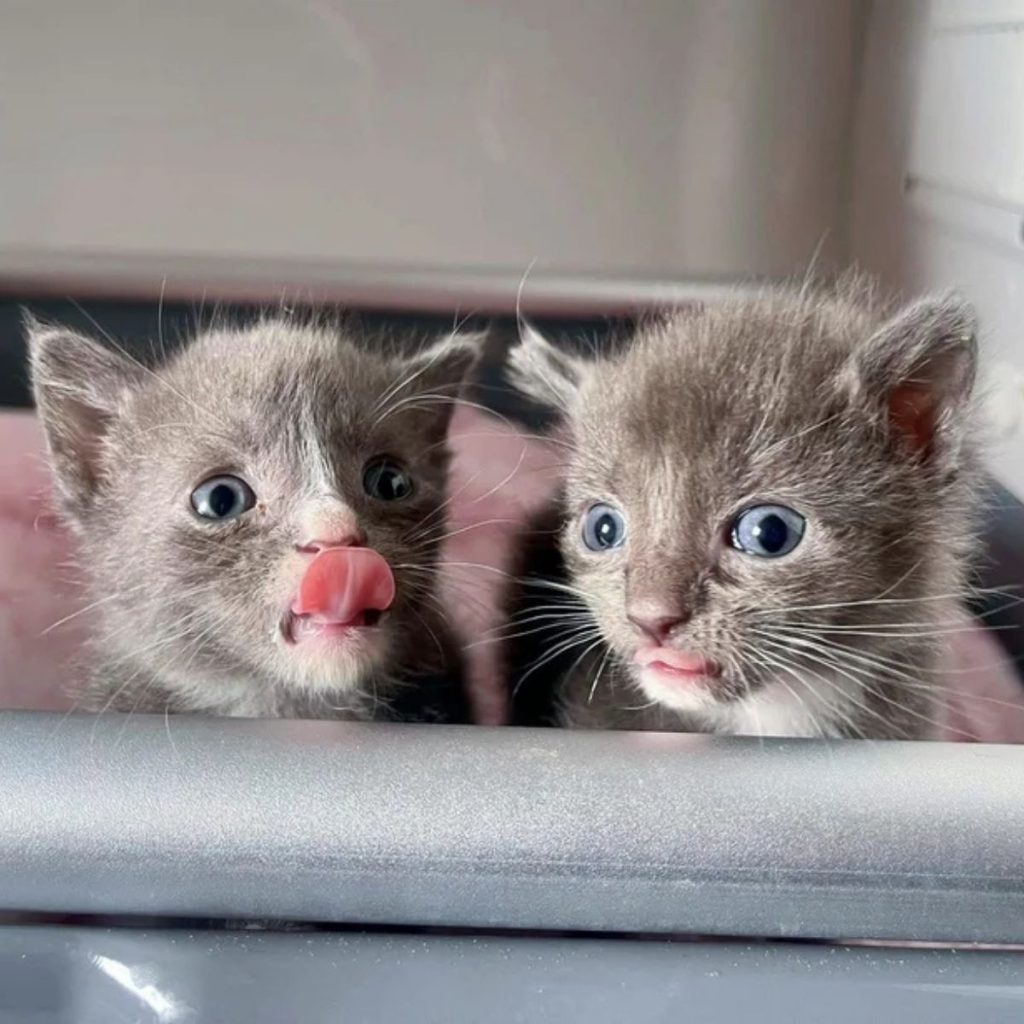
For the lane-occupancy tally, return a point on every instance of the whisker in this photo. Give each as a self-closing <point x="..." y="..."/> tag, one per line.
<point x="549" y="656"/>
<point x="798" y="673"/>
<point x="899" y="633"/>
<point x="597" y="677"/>
<point x="861" y="679"/>
<point x="554" y="628"/>
<point x="889" y="666"/>
<point x="565" y="588"/>
<point x="442" y="537"/>
<point x="875" y="601"/>
<point x="88" y="608"/>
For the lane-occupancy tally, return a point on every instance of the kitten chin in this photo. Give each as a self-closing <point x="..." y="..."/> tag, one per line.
<point x="259" y="519"/>
<point x="767" y="520"/>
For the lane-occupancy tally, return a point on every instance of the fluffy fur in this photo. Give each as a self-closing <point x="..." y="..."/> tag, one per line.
<point x="825" y="403"/>
<point x="191" y="611"/>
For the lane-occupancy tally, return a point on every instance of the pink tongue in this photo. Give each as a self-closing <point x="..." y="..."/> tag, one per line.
<point x="342" y="583"/>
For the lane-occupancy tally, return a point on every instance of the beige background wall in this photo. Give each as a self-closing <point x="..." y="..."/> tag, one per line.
<point x="637" y="139"/>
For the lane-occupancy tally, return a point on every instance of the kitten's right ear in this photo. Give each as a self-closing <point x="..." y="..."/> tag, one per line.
<point x="919" y="370"/>
<point x="78" y="386"/>
<point x="548" y="375"/>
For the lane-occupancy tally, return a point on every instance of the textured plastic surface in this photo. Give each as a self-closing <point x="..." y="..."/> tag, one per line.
<point x="508" y="828"/>
<point x="50" y="976"/>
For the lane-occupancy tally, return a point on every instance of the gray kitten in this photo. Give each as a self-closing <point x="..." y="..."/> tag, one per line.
<point x="766" y="522"/>
<point x="202" y="490"/>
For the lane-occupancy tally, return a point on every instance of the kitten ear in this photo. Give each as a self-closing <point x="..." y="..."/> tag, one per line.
<point x="78" y="386"/>
<point x="543" y="372"/>
<point x="435" y="375"/>
<point x="919" y="368"/>
<point x="446" y="363"/>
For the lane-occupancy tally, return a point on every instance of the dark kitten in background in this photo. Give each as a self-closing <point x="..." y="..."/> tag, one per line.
<point x="259" y="519"/>
<point x="766" y="524"/>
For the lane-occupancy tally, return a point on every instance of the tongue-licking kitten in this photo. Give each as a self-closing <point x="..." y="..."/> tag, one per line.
<point x="259" y="519"/>
<point x="765" y="524"/>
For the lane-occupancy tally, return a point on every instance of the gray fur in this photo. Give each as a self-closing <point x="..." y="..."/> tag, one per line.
<point x="190" y="610"/>
<point x="786" y="398"/>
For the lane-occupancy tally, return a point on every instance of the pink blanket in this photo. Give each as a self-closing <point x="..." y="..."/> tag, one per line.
<point x="498" y="476"/>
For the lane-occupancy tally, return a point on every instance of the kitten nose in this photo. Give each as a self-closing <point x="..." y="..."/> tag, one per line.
<point x="657" y="622"/>
<point x="329" y="524"/>
<point x="354" y="539"/>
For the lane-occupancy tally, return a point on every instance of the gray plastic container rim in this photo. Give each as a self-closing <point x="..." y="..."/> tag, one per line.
<point x="470" y="827"/>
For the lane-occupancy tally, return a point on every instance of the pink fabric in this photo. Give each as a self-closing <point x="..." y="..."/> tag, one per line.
<point x="982" y="692"/>
<point x="37" y="588"/>
<point x="499" y="476"/>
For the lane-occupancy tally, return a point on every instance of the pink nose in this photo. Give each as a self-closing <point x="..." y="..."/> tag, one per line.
<point x="351" y="538"/>
<point x="343" y="582"/>
<point x="657" y="623"/>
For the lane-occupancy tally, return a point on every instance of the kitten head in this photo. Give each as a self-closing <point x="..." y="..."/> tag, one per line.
<point x="202" y="490"/>
<point x="758" y="487"/>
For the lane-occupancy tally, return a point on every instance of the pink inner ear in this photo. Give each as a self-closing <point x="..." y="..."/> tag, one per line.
<point x="912" y="413"/>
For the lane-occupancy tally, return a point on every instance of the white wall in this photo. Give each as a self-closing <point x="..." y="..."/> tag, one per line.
<point x="628" y="137"/>
<point x="938" y="198"/>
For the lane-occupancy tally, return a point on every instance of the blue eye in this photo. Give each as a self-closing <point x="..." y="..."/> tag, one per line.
<point x="222" y="497"/>
<point x="603" y="528"/>
<point x="767" y="531"/>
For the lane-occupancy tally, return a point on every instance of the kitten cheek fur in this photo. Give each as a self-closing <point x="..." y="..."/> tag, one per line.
<point x="191" y="609"/>
<point x="819" y="403"/>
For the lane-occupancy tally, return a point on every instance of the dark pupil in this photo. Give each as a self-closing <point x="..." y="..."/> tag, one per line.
<point x="606" y="530"/>
<point x="222" y="500"/>
<point x="391" y="484"/>
<point x="772" y="533"/>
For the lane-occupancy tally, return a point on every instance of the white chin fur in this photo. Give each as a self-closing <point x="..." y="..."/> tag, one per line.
<point x="316" y="666"/>
<point x="694" y="699"/>
<point x="779" y="708"/>
<point x="785" y="708"/>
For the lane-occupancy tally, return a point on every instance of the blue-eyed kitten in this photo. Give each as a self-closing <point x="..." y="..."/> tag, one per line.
<point x="203" y="489"/>
<point x="766" y="523"/>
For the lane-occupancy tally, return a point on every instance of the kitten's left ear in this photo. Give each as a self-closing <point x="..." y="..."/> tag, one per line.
<point x="919" y="370"/>
<point x="79" y="388"/>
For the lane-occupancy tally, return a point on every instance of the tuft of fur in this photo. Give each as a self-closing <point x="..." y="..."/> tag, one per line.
<point x="854" y="415"/>
<point x="191" y="610"/>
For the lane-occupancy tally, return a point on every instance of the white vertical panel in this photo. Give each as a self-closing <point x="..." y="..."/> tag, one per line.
<point x="969" y="129"/>
<point x="942" y="105"/>
<point x="958" y="15"/>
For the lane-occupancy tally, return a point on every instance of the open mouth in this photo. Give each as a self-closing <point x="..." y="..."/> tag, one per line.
<point x="297" y="628"/>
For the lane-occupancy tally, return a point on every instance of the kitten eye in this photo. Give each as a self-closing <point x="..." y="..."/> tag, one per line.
<point x="386" y="480"/>
<point x="767" y="531"/>
<point x="604" y="528"/>
<point x="223" y="497"/>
